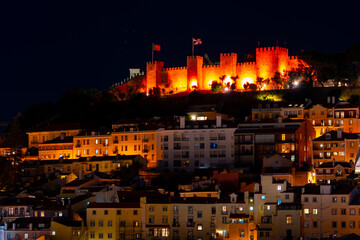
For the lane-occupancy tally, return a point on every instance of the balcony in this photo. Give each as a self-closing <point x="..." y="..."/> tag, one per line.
<point x="145" y="140"/>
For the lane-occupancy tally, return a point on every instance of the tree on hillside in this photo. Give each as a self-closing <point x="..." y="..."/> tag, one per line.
<point x="216" y="87"/>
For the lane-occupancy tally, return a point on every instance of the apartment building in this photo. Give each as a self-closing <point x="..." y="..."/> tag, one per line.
<point x="330" y="211"/>
<point x="57" y="148"/>
<point x="123" y="220"/>
<point x="256" y="140"/>
<point x="335" y="146"/>
<point x="266" y="110"/>
<point x="51" y="132"/>
<point x="187" y="145"/>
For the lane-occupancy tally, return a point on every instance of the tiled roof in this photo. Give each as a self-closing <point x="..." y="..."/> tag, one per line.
<point x="114" y="205"/>
<point x="334" y="136"/>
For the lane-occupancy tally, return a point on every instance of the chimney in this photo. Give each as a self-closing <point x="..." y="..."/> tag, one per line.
<point x="328" y="99"/>
<point x="218" y="121"/>
<point x="333" y="99"/>
<point x="339" y="133"/>
<point x="92" y="133"/>
<point x="182" y="122"/>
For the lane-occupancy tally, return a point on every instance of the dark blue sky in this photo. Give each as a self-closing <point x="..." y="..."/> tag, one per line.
<point x="48" y="47"/>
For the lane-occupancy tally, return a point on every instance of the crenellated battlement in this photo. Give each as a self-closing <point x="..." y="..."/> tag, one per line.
<point x="193" y="57"/>
<point x="268" y="49"/>
<point x="211" y="66"/>
<point x="174" y="69"/>
<point x="293" y="57"/>
<point x="246" y="64"/>
<point x="155" y="63"/>
<point x="227" y="54"/>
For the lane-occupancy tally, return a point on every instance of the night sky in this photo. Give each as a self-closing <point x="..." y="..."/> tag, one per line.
<point x="48" y="47"/>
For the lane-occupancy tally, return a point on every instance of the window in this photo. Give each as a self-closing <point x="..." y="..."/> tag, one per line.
<point x="306" y="199"/>
<point x="223" y="210"/>
<point x="199" y="227"/>
<point x="287" y="196"/>
<point x="92" y="223"/>
<point x="109" y="223"/>
<point x="334" y="224"/>
<point x="164" y="219"/>
<point x="94" y="212"/>
<point x="306" y="224"/>
<point x="213" y="210"/>
<point x="334" y="199"/>
<point x="262" y="197"/>
<point x="101" y="235"/>
<point x="352" y="211"/>
<point x="122" y="224"/>
<point x="165" y="208"/>
<point x="151" y="208"/>
<point x="333" y="211"/>
<point x="151" y="219"/>
<point x="315" y="211"/>
<point x="314" y="199"/>
<point x="242" y="233"/>
<point x="343" y="224"/>
<point x="251" y="208"/>
<point x="279" y="187"/>
<point x="135" y="212"/>
<point x="199" y="214"/>
<point x="92" y="235"/>
<point x="315" y="224"/>
<point x="190" y="210"/>
<point x="176" y="209"/>
<point x="306" y="211"/>
<point x="109" y="235"/>
<point x="343" y="211"/>
<point x="224" y="220"/>
<point x="106" y="212"/>
<point x="101" y="223"/>
<point x="136" y="223"/>
<point x="343" y="199"/>
<point x="118" y="212"/>
<point x="352" y="224"/>
<point x="288" y="220"/>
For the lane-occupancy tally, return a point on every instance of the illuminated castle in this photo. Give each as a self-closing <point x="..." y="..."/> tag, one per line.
<point x="269" y="60"/>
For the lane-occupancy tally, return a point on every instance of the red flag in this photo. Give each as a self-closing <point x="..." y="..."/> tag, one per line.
<point x="156" y="47"/>
<point x="197" y="41"/>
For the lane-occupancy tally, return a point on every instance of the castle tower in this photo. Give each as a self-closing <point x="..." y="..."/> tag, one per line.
<point x="194" y="72"/>
<point x="270" y="60"/>
<point x="228" y="64"/>
<point x="153" y="74"/>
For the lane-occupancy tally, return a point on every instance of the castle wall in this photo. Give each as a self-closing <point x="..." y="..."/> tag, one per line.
<point x="246" y="72"/>
<point x="174" y="79"/>
<point x="194" y="72"/>
<point x="269" y="60"/>
<point x="210" y="73"/>
<point x="228" y="64"/>
<point x="153" y="74"/>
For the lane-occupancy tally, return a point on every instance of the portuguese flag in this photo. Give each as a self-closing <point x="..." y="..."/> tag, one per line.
<point x="156" y="47"/>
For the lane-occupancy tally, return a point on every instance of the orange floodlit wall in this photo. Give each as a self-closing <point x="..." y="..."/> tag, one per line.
<point x="195" y="75"/>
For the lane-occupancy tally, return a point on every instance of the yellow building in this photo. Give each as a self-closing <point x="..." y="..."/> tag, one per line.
<point x="335" y="146"/>
<point x="57" y="148"/>
<point x="51" y="132"/>
<point x="72" y="230"/>
<point x="241" y="227"/>
<point x="328" y="118"/>
<point x="272" y="110"/>
<point x="115" y="220"/>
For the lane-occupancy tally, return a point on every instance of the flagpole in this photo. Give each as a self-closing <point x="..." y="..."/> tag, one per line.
<point x="152" y="53"/>
<point x="193" y="47"/>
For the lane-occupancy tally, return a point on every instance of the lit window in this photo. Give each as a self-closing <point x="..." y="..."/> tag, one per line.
<point x="279" y="187"/>
<point x="288" y="220"/>
<point x="268" y="207"/>
<point x="251" y="208"/>
<point x="283" y="137"/>
<point x="315" y="211"/>
<point x="306" y="211"/>
<point x="199" y="227"/>
<point x="262" y="197"/>
<point x="53" y="233"/>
